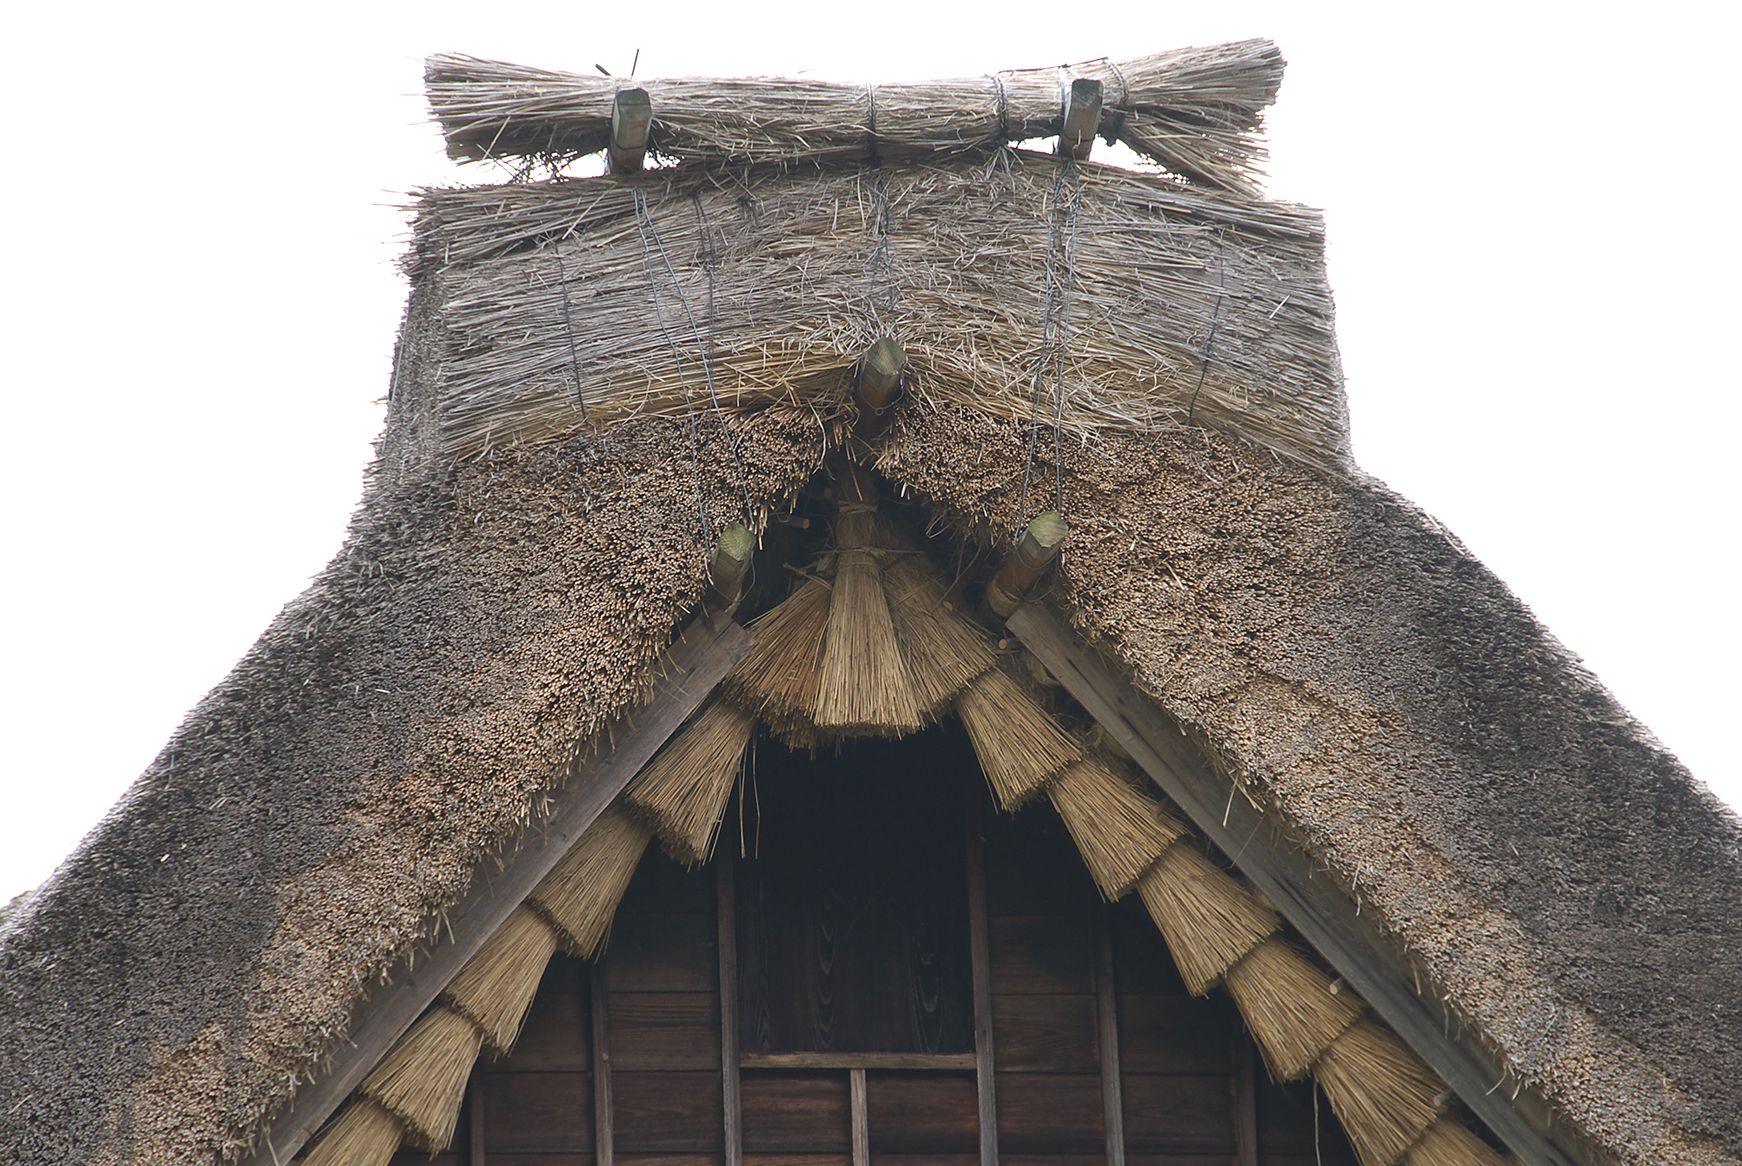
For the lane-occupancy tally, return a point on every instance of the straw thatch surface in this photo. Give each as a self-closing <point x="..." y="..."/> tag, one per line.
<point x="1447" y="1143"/>
<point x="1208" y="918"/>
<point x="363" y="1134"/>
<point x="943" y="650"/>
<point x="1384" y="1096"/>
<point x="778" y="677"/>
<point x="1019" y="745"/>
<point x="497" y="985"/>
<point x="422" y="1079"/>
<point x="1195" y="111"/>
<point x="684" y="790"/>
<point x="580" y="894"/>
<point x="1292" y="1008"/>
<point x="1146" y="303"/>
<point x="1118" y="827"/>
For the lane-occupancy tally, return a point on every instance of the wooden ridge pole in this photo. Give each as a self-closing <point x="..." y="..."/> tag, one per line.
<point x="877" y="385"/>
<point x="1035" y="552"/>
<point x="631" y="120"/>
<point x="1081" y="118"/>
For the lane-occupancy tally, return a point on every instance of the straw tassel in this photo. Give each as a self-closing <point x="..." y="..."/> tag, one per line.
<point x="863" y="684"/>
<point x="364" y="1134"/>
<point x="1120" y="830"/>
<point x="580" y="894"/>
<point x="1382" y="1093"/>
<point x="1447" y="1143"/>
<point x="1019" y="744"/>
<point x="943" y="651"/>
<point x="1207" y="917"/>
<point x="422" y="1079"/>
<point x="496" y="987"/>
<point x="1292" y="1008"/>
<point x="684" y="790"/>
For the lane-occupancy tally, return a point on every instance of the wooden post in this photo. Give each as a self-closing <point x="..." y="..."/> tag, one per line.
<point x="631" y="119"/>
<point x="980" y="973"/>
<point x="1034" y="554"/>
<point x="726" y="918"/>
<point x="1245" y="1088"/>
<point x="1081" y="118"/>
<point x="603" y="1138"/>
<point x="878" y="384"/>
<point x="729" y="569"/>
<point x="861" y="1117"/>
<point x="475" y="1122"/>
<point x="1107" y="1020"/>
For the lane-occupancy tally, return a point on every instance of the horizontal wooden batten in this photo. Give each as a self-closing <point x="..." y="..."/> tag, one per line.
<point x="911" y="1062"/>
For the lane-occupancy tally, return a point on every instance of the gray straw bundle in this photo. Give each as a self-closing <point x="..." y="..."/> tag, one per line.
<point x="1292" y="1008"/>
<point x="684" y="790"/>
<point x="1119" y="829"/>
<point x="364" y="1134"/>
<point x="496" y="987"/>
<point x="580" y="894"/>
<point x="944" y="652"/>
<point x="777" y="679"/>
<point x="863" y="685"/>
<point x="422" y="1079"/>
<point x="1019" y="744"/>
<point x="1447" y="1143"/>
<point x="1208" y="918"/>
<point x="1381" y="1092"/>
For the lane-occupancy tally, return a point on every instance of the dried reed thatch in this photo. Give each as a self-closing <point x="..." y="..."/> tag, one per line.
<point x="1195" y="111"/>
<point x="944" y="652"/>
<point x="1382" y="1093"/>
<point x="1448" y="1143"/>
<point x="497" y="985"/>
<point x="1120" y="830"/>
<point x="364" y="1134"/>
<point x="581" y="892"/>
<point x="684" y="790"/>
<point x="1019" y="744"/>
<point x="863" y="685"/>
<point x="777" y="679"/>
<point x="783" y="267"/>
<point x="422" y="1079"/>
<point x="1292" y="1008"/>
<point x="1208" y="918"/>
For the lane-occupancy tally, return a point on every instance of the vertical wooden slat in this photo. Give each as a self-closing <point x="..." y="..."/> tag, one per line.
<point x="726" y="909"/>
<point x="475" y="1123"/>
<point x="603" y="1141"/>
<point x="1245" y="1101"/>
<point x="861" y="1119"/>
<point x="1107" y="1020"/>
<point x="979" y="956"/>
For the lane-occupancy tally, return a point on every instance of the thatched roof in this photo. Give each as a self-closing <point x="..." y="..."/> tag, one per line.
<point x="1558" y="878"/>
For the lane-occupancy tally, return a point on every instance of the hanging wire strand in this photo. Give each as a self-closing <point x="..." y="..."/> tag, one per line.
<point x="1064" y="335"/>
<point x="1215" y="320"/>
<point x="710" y="256"/>
<point x="1054" y="311"/>
<point x="562" y="283"/>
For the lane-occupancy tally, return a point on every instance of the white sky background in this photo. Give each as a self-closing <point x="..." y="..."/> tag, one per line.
<point x="1532" y="244"/>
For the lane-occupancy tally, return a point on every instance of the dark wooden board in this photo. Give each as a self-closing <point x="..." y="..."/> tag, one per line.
<point x="934" y="1113"/>
<point x="1286" y="1125"/>
<point x="662" y="952"/>
<point x="1033" y="867"/>
<point x="1036" y="954"/>
<point x="1175" y="1034"/>
<point x="667" y="1112"/>
<point x="795" y="1113"/>
<point x="1050" y="1113"/>
<point x="537" y="1112"/>
<point x="1053" y="1034"/>
<point x="665" y="886"/>
<point x="664" y="1030"/>
<point x="1177" y="1114"/>
<point x="557" y="1032"/>
<point x="1141" y="962"/>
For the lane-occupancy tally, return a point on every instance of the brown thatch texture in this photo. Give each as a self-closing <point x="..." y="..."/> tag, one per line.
<point x="363" y="1134"/>
<point x="1195" y="111"/>
<point x="778" y="677"/>
<point x="863" y="685"/>
<point x="943" y="650"/>
<point x="684" y="790"/>
<point x="1119" y="829"/>
<point x="1208" y="918"/>
<point x="1382" y="1093"/>
<point x="422" y="1079"/>
<point x="497" y="985"/>
<point x="1293" y="1009"/>
<point x="581" y="892"/>
<point x="1405" y="719"/>
<point x="1019" y="744"/>
<point x="1152" y="269"/>
<point x="1447" y="1143"/>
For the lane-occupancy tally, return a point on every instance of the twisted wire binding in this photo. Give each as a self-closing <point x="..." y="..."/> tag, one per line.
<point x="1055" y="325"/>
<point x="1215" y="319"/>
<point x="562" y="284"/>
<point x="710" y="257"/>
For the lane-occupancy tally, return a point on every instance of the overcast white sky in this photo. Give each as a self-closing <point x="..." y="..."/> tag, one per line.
<point x="1532" y="244"/>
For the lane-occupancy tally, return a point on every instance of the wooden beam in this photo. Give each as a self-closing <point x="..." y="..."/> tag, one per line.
<point x="1245" y="1086"/>
<point x="1032" y="557"/>
<point x="1107" y="1022"/>
<point x="475" y="1123"/>
<point x="878" y="384"/>
<point x="1325" y="916"/>
<point x="726" y="918"/>
<point x="906" y="1062"/>
<point x="604" y="1137"/>
<point x="980" y="975"/>
<point x="631" y="121"/>
<point x="861" y="1119"/>
<point x="1081" y="118"/>
<point x="695" y="663"/>
<point x="729" y="570"/>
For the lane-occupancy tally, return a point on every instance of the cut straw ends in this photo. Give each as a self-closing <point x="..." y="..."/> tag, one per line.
<point x="1120" y="830"/>
<point x="1382" y="1093"/>
<point x="779" y="675"/>
<point x="580" y="894"/>
<point x="1019" y="744"/>
<point x="364" y="1134"/>
<point x="863" y="683"/>
<point x="422" y="1079"/>
<point x="1447" y="1143"/>
<point x="497" y="985"/>
<point x="943" y="651"/>
<point x="684" y="790"/>
<point x="1208" y="918"/>
<point x="1293" y="1009"/>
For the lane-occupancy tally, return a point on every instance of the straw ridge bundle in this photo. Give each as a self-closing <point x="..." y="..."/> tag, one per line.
<point x="1448" y="1143"/>
<point x="1382" y="1093"/>
<point x="777" y="678"/>
<point x="580" y="894"/>
<point x="422" y="1079"/>
<point x="1154" y="264"/>
<point x="684" y="790"/>
<point x="1195" y="111"/>
<point x="1207" y="917"/>
<point x="944" y="652"/>
<point x="863" y="684"/>
<point x="496" y="987"/>
<point x="364" y="1134"/>
<point x="1119" y="829"/>
<point x="1292" y="1008"/>
<point x="1019" y="744"/>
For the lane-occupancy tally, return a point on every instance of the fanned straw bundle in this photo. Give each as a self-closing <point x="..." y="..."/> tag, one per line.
<point x="1382" y="1093"/>
<point x="1120" y="830"/>
<point x="1447" y="1143"/>
<point x="422" y="1079"/>
<point x="778" y="677"/>
<point x="1019" y="744"/>
<point x="1207" y="917"/>
<point x="1292" y="1008"/>
<point x="863" y="684"/>
<point x="944" y="652"/>
<point x="684" y="790"/>
<point x="364" y="1134"/>
<point x="580" y="893"/>
<point x="497" y="985"/>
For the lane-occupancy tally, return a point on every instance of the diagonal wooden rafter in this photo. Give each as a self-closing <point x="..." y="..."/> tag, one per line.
<point x="1320" y="911"/>
<point x="702" y="654"/>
